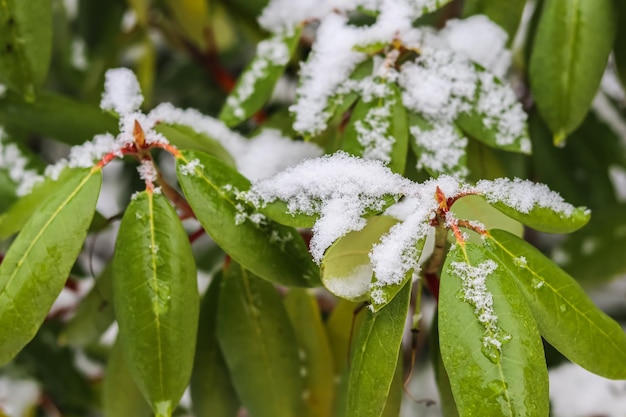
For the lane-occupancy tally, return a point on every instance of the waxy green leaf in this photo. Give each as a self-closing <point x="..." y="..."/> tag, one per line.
<point x="94" y="314"/>
<point x="39" y="260"/>
<point x="120" y="394"/>
<point x="259" y="345"/>
<point x="534" y="205"/>
<point x="20" y="212"/>
<point x="184" y="137"/>
<point x="212" y="391"/>
<point x="489" y="341"/>
<point x="375" y="356"/>
<point x="346" y="268"/>
<point x="155" y="296"/>
<point x="315" y="354"/>
<point x="446" y="398"/>
<point x="507" y="14"/>
<point x="565" y="315"/>
<point x="257" y="82"/>
<point x="272" y="251"/>
<point x="570" y="52"/>
<point x="56" y="116"/>
<point x="378" y="129"/>
<point x="26" y="38"/>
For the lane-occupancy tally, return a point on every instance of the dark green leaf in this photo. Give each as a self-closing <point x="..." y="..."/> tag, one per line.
<point x="315" y="354"/>
<point x="346" y="268"/>
<point x="39" y="260"/>
<point x="272" y="251"/>
<point x="184" y="137"/>
<point x="565" y="315"/>
<point x="375" y="356"/>
<point x="490" y="344"/>
<point x="212" y="391"/>
<point x="570" y="51"/>
<point x="507" y="14"/>
<point x="94" y="314"/>
<point x="378" y="129"/>
<point x="394" y="399"/>
<point x="7" y="191"/>
<point x="155" y="296"/>
<point x="120" y="394"/>
<point x="57" y="116"/>
<point x="26" y="38"/>
<point x="256" y="83"/>
<point x="259" y="345"/>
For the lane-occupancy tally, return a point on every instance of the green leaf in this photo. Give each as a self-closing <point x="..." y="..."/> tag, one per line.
<point x="446" y="398"/>
<point x="26" y="38"/>
<point x="507" y="14"/>
<point x="21" y="211"/>
<point x="565" y="315"/>
<point x="570" y="52"/>
<point x="57" y="116"/>
<point x="155" y="296"/>
<point x="212" y="391"/>
<point x="7" y="190"/>
<point x="184" y="137"/>
<point x="339" y="325"/>
<point x="378" y="128"/>
<point x="534" y="205"/>
<point x="497" y="118"/>
<point x="394" y="398"/>
<point x="375" y="357"/>
<point x="272" y="251"/>
<point x="257" y="82"/>
<point x="39" y="260"/>
<point x="346" y="269"/>
<point x="490" y="344"/>
<point x="315" y="354"/>
<point x="259" y="345"/>
<point x="476" y="208"/>
<point x="120" y="394"/>
<point x="94" y="314"/>
<point x="619" y="46"/>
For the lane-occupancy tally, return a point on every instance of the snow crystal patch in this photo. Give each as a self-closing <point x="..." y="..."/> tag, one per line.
<point x="340" y="188"/>
<point x="475" y="292"/>
<point x="190" y="167"/>
<point x="500" y="109"/>
<point x="523" y="195"/>
<point x="439" y="84"/>
<point x="442" y="149"/>
<point x="122" y="93"/>
<point x="398" y="251"/>
<point x="147" y="172"/>
<point x="481" y="40"/>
